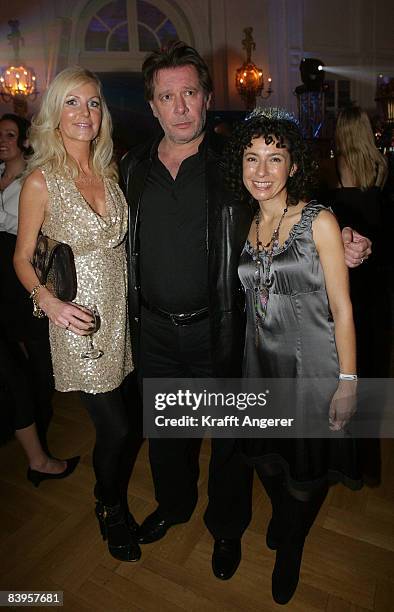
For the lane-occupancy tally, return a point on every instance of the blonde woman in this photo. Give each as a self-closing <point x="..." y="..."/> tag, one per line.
<point x="358" y="202"/>
<point x="71" y="195"/>
<point x="360" y="164"/>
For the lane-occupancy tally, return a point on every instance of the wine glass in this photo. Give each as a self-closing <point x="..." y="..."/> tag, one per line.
<point x="91" y="352"/>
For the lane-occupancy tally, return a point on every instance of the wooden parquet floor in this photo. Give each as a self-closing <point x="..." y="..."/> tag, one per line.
<point x="49" y="540"/>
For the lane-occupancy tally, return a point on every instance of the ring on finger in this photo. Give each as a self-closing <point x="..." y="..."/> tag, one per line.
<point x="361" y="260"/>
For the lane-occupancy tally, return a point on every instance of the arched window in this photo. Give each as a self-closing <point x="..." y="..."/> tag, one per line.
<point x="115" y="35"/>
<point x="109" y="28"/>
<point x="154" y="28"/>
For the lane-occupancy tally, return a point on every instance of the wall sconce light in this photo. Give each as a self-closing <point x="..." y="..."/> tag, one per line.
<point x="249" y="79"/>
<point x="17" y="81"/>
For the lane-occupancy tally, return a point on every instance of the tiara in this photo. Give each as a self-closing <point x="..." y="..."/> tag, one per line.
<point x="275" y="113"/>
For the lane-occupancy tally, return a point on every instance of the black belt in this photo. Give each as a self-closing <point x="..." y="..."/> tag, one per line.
<point x="179" y="318"/>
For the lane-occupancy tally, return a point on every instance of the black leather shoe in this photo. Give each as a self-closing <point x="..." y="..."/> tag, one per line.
<point x="132" y="523"/>
<point x="154" y="528"/>
<point x="226" y="558"/>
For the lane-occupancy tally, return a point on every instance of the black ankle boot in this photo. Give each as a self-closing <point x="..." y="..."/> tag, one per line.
<point x="296" y="518"/>
<point x="287" y="567"/>
<point x="132" y="523"/>
<point x="115" y="529"/>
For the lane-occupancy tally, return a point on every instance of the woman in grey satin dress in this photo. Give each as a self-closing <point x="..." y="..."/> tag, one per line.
<point x="299" y="325"/>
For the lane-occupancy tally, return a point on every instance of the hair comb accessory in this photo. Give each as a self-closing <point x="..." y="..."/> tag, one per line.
<point x="274" y="113"/>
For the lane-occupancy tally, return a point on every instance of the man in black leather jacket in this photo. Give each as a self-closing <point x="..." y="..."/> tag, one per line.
<point x="186" y="234"/>
<point x="178" y="204"/>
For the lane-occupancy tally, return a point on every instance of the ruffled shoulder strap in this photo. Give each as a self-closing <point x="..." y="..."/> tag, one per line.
<point x="308" y="214"/>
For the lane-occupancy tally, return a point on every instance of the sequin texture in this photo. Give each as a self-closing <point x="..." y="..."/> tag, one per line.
<point x="98" y="244"/>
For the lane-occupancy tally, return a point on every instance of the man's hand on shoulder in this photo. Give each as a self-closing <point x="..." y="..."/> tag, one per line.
<point x="357" y="247"/>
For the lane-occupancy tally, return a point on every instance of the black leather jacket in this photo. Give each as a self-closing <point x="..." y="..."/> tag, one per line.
<point x="228" y="222"/>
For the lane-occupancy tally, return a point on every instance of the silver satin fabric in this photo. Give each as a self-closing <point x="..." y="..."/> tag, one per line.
<point x="296" y="339"/>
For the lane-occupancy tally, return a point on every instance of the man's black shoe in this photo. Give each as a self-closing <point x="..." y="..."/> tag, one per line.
<point x="154" y="528"/>
<point x="226" y="558"/>
<point x="132" y="523"/>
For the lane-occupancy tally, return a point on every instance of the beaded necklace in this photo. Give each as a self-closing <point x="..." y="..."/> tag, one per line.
<point x="262" y="283"/>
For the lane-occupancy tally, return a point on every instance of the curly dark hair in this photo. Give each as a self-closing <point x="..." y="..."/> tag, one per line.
<point x="175" y="54"/>
<point x="285" y="133"/>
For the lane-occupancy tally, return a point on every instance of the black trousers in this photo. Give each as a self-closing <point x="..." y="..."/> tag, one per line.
<point x="40" y="370"/>
<point x="169" y="351"/>
<point x="27" y="385"/>
<point x="30" y="376"/>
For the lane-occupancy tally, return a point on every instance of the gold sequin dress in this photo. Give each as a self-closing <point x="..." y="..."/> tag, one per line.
<point x="98" y="244"/>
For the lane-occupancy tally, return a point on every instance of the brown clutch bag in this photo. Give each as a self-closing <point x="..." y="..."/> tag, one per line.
<point x="54" y="265"/>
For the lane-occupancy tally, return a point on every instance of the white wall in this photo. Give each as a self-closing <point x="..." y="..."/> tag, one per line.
<point x="355" y="36"/>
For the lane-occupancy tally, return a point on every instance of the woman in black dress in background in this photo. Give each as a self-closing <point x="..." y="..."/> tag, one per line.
<point x="25" y="365"/>
<point x="358" y="202"/>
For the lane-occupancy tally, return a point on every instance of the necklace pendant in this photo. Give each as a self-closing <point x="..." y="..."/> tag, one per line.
<point x="261" y="288"/>
<point x="268" y="282"/>
<point x="262" y="296"/>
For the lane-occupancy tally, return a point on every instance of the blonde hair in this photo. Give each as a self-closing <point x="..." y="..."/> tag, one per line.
<point x="356" y="144"/>
<point x="46" y="139"/>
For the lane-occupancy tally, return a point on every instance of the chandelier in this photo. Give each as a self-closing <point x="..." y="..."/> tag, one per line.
<point x="249" y="79"/>
<point x="17" y="81"/>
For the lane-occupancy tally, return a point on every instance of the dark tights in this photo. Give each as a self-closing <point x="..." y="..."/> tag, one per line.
<point x="109" y="414"/>
<point x="291" y="509"/>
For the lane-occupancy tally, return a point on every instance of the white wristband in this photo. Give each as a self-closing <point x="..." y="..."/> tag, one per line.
<point x="347" y="376"/>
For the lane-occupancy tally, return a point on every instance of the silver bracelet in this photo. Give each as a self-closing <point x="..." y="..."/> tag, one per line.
<point x="347" y="376"/>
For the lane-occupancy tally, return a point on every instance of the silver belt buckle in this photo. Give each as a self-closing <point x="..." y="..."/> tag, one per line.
<point x="177" y="319"/>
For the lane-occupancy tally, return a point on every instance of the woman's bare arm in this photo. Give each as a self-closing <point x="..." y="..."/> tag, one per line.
<point x="328" y="240"/>
<point x="329" y="244"/>
<point x="32" y="205"/>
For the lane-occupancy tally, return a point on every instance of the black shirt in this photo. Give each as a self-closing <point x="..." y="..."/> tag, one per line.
<point x="173" y="236"/>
